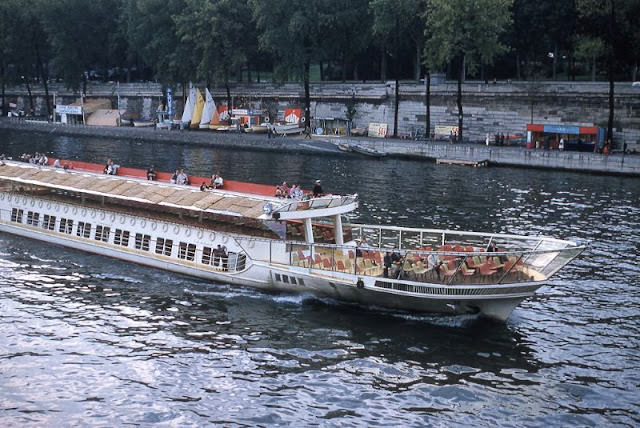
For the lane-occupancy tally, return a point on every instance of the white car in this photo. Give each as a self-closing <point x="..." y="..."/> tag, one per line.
<point x="636" y="84"/>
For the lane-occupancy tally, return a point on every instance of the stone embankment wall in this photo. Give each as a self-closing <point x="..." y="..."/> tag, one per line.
<point x="617" y="164"/>
<point x="488" y="108"/>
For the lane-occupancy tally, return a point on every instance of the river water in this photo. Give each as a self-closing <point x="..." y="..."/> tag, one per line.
<point x="90" y="340"/>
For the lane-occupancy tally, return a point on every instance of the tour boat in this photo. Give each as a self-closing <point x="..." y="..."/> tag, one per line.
<point x="243" y="236"/>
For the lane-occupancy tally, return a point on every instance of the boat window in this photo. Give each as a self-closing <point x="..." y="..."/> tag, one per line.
<point x="16" y="215"/>
<point x="33" y="218"/>
<point x="206" y="255"/>
<point x="84" y="229"/>
<point x="66" y="225"/>
<point x="159" y="245"/>
<point x="164" y="246"/>
<point x="293" y="280"/>
<point x="121" y="237"/>
<point x="285" y="279"/>
<point x="102" y="233"/>
<point x="300" y="281"/>
<point x="187" y="251"/>
<point x="49" y="222"/>
<point x="277" y="276"/>
<point x="142" y="242"/>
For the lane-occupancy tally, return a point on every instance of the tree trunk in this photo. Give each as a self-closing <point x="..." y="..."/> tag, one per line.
<point x="44" y="76"/>
<point x="395" y="110"/>
<point x="344" y="67"/>
<point x="229" y="106"/>
<point x="593" y="67"/>
<point x="518" y="75"/>
<point x="610" y="65"/>
<point x="555" y="61"/>
<point x="30" y="94"/>
<point x="383" y="66"/>
<point x="460" y="76"/>
<point x="321" y="71"/>
<point x="4" y="88"/>
<point x="418" y="64"/>
<point x="249" y="72"/>
<point x="307" y="96"/>
<point x="427" y="125"/>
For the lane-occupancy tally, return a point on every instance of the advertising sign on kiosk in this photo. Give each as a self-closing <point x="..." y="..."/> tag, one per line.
<point x="575" y="138"/>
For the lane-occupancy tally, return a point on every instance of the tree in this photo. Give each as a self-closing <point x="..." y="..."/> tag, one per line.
<point x="220" y="33"/>
<point x="618" y="36"/>
<point x="79" y="32"/>
<point x="346" y="25"/>
<point x="290" y="31"/>
<point x="151" y="31"/>
<point x="465" y="34"/>
<point x="393" y="23"/>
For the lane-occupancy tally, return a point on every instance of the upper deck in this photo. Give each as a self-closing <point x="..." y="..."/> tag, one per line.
<point x="252" y="201"/>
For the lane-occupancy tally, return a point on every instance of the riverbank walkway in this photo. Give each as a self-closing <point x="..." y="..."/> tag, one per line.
<point x="518" y="156"/>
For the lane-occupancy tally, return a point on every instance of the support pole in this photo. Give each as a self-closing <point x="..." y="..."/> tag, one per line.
<point x="339" y="234"/>
<point x="308" y="231"/>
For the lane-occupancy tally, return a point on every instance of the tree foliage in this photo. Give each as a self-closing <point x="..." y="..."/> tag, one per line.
<point x="465" y="33"/>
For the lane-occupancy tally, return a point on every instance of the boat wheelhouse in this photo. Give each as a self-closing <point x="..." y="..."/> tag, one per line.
<point x="242" y="235"/>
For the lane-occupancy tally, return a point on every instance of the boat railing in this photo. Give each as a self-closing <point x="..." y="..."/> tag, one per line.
<point x="443" y="265"/>
<point x="404" y="238"/>
<point x="327" y="201"/>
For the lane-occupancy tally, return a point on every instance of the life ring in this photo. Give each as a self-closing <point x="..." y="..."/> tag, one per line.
<point x="212" y="236"/>
<point x="113" y="217"/>
<point x="154" y="225"/>
<point x="165" y="227"/>
<point x="75" y="210"/>
<point x="303" y="119"/>
<point x="9" y="197"/>
<point x="102" y="215"/>
<point x="266" y="119"/>
<point x="84" y="212"/>
<point x="200" y="233"/>
<point x="122" y="219"/>
<point x="33" y="203"/>
<point x="132" y="221"/>
<point x="40" y="203"/>
<point x="66" y="209"/>
<point x="56" y="207"/>
<point x="143" y="223"/>
<point x="1" y="196"/>
<point x="24" y="200"/>
<point x="187" y="232"/>
<point x="176" y="229"/>
<point x="48" y="205"/>
<point x="225" y="239"/>
<point x="93" y="213"/>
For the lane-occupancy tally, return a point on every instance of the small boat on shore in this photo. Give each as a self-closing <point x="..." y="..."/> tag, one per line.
<point x="368" y="151"/>
<point x="344" y="147"/>
<point x="286" y="129"/>
<point x="242" y="235"/>
<point x="143" y="123"/>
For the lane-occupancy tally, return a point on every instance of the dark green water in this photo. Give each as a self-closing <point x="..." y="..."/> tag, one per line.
<point x="89" y="340"/>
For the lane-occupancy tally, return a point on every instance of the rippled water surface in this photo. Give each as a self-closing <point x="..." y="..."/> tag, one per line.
<point x="90" y="340"/>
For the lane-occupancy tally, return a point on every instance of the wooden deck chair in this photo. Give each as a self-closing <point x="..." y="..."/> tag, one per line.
<point x="340" y="266"/>
<point x="327" y="263"/>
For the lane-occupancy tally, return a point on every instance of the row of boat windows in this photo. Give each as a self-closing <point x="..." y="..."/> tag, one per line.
<point x="163" y="246"/>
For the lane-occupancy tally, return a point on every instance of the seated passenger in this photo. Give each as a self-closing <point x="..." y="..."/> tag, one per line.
<point x="151" y="174"/>
<point x="182" y="178"/>
<point x="110" y="168"/>
<point x="44" y="160"/>
<point x="218" y="182"/>
<point x="174" y="177"/>
<point x="56" y="164"/>
<point x="279" y="192"/>
<point x="203" y="187"/>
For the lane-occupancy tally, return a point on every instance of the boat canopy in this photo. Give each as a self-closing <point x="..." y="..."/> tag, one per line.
<point x="130" y="190"/>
